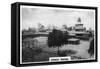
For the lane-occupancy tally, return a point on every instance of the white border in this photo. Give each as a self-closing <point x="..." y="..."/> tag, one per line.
<point x="48" y="8"/>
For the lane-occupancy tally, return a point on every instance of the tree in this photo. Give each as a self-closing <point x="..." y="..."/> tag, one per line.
<point x="41" y="27"/>
<point x="55" y="39"/>
<point x="91" y="48"/>
<point x="65" y="26"/>
<point x="32" y="29"/>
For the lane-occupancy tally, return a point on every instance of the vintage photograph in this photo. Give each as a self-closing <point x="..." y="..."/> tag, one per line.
<point x="50" y="34"/>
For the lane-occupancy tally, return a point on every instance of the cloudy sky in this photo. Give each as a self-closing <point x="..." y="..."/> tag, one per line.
<point x="31" y="16"/>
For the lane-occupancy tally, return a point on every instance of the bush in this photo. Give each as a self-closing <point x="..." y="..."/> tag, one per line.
<point x="29" y="51"/>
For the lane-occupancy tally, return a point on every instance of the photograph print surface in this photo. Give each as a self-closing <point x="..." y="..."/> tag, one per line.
<point x="50" y="34"/>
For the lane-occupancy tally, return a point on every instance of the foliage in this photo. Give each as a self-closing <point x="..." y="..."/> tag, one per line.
<point x="91" y="48"/>
<point x="57" y="38"/>
<point x="29" y="51"/>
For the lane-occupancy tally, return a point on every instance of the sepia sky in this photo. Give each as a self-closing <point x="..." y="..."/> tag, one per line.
<point x="31" y="16"/>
